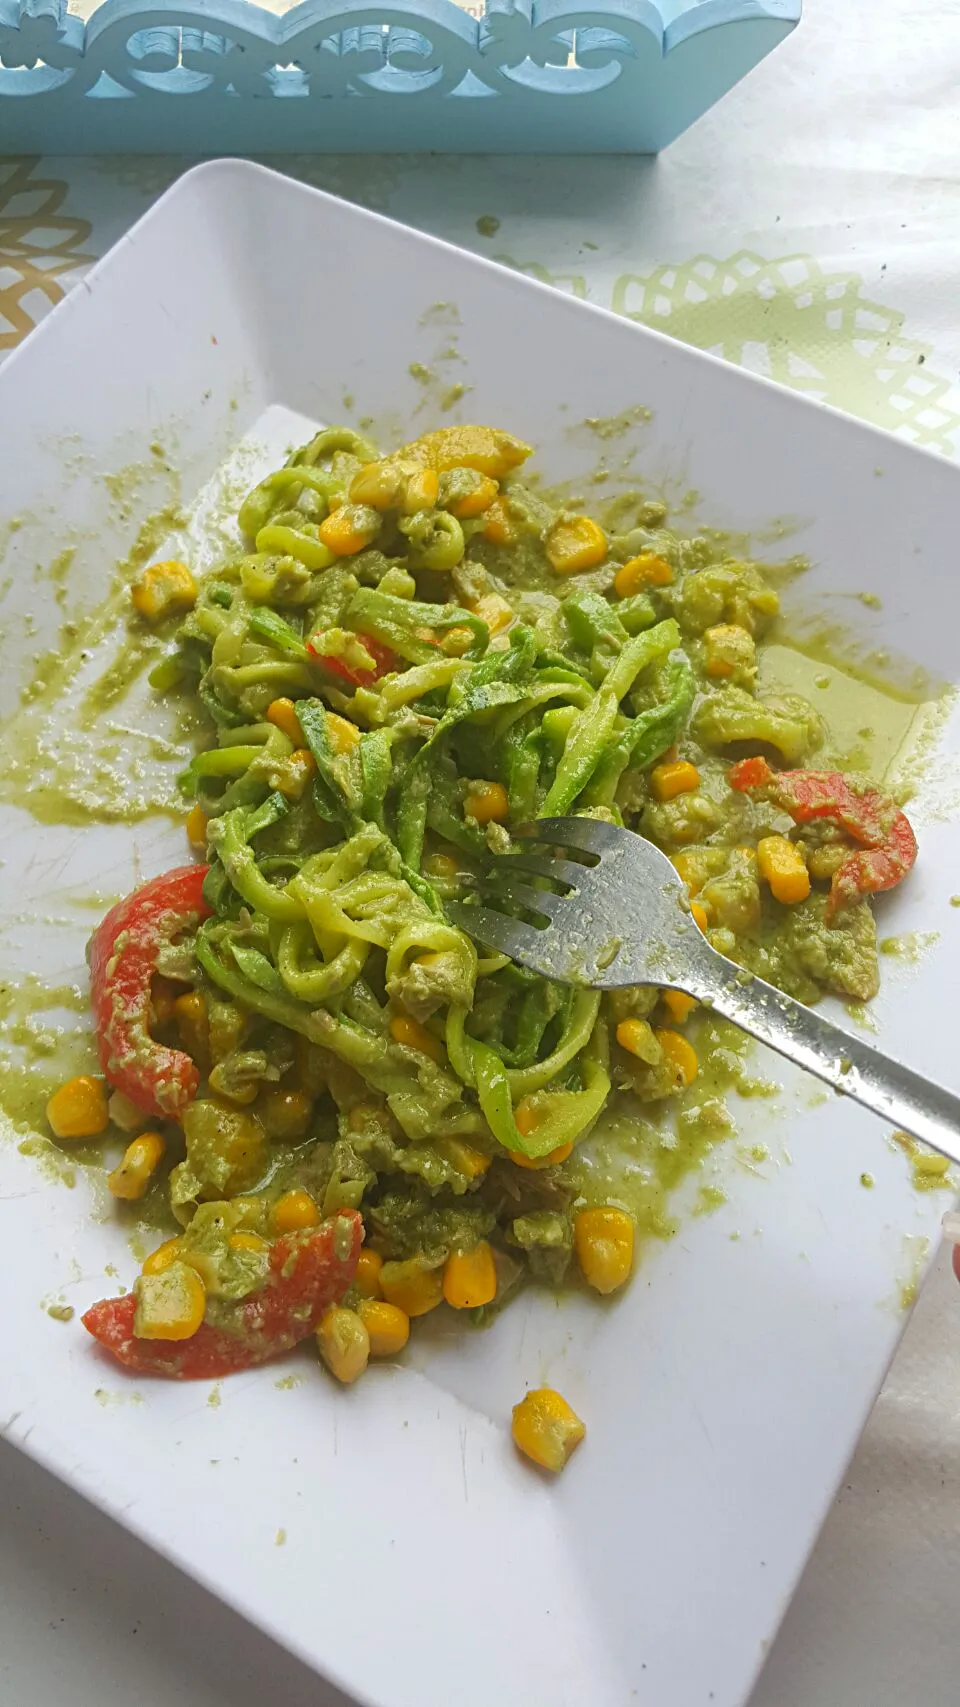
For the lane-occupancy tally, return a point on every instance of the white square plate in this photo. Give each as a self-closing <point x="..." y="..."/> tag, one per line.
<point x="725" y="1391"/>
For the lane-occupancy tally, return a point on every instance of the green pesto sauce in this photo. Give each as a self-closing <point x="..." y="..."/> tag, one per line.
<point x="639" y="1154"/>
<point x="84" y="749"/>
<point x="916" y="1250"/>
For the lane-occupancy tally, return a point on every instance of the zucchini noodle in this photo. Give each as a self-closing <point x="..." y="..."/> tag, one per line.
<point x="399" y="669"/>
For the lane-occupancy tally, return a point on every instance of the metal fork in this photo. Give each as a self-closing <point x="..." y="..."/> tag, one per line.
<point x="624" y="919"/>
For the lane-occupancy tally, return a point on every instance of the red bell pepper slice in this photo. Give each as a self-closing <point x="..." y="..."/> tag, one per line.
<point x="308" y="1272"/>
<point x="123" y="959"/>
<point x="384" y="661"/>
<point x="888" y="846"/>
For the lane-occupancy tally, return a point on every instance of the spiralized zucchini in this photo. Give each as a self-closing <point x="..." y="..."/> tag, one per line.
<point x="391" y="690"/>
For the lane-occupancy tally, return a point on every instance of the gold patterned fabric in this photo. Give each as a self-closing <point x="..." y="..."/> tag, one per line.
<point x="39" y="244"/>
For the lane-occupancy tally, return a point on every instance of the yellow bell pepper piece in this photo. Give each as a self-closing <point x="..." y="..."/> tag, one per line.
<point x="574" y="544"/>
<point x="476" y="501"/>
<point x="487" y="449"/>
<point x="421" y="491"/>
<point x="647" y="570"/>
<point x="170" y="1305"/>
<point x="677" y="777"/>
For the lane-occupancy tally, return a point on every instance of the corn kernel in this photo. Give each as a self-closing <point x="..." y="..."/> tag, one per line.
<point x="679" y="1054"/>
<point x="470" y="1277"/>
<point x="730" y="649"/>
<point x="528" y="1115"/>
<point x="603" y="1240"/>
<point x="441" y="866"/>
<point x="699" y="916"/>
<point x="163" y="1256"/>
<point x="79" y="1108"/>
<point x="294" y="1212"/>
<point x="141" y="1160"/>
<point x="299" y="770"/>
<point x="193" y="1024"/>
<point x="667" y="781"/>
<point x="247" y="1242"/>
<point x="456" y="642"/>
<point x="421" y="491"/>
<point x="412" y="1288"/>
<point x="343" y="735"/>
<point x="285" y="1114"/>
<point x="464" y="1157"/>
<point x="782" y="866"/>
<point x="476" y="501"/>
<point x="494" y="611"/>
<point x="678" y="1005"/>
<point x="349" y="529"/>
<point x="487" y="803"/>
<point x="361" y="1115"/>
<point x="546" y="1428"/>
<point x="575" y="543"/>
<point x="647" y="570"/>
<point x="163" y="995"/>
<point x="162" y="590"/>
<point x="413" y="1035"/>
<point x="196" y="827"/>
<point x="388" y="1327"/>
<point x="378" y="484"/>
<point x="343" y="1344"/>
<point x="690" y="869"/>
<point x="240" y="1094"/>
<point x="282" y="713"/>
<point x="552" y="1159"/>
<point x="171" y="1304"/>
<point x="499" y="527"/>
<point x="366" y="1277"/>
<point x="636" y="1037"/>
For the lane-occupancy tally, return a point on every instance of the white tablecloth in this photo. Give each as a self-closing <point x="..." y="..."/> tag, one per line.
<point x="810" y="229"/>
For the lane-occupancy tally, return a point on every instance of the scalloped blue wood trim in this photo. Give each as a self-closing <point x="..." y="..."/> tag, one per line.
<point x="373" y="76"/>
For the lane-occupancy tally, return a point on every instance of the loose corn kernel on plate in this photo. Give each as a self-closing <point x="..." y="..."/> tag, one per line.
<point x="702" y="1378"/>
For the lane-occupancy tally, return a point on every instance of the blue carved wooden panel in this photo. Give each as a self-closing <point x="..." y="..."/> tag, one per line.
<point x="224" y="76"/>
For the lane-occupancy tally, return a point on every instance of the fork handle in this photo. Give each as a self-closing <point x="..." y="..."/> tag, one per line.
<point x="853" y="1068"/>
